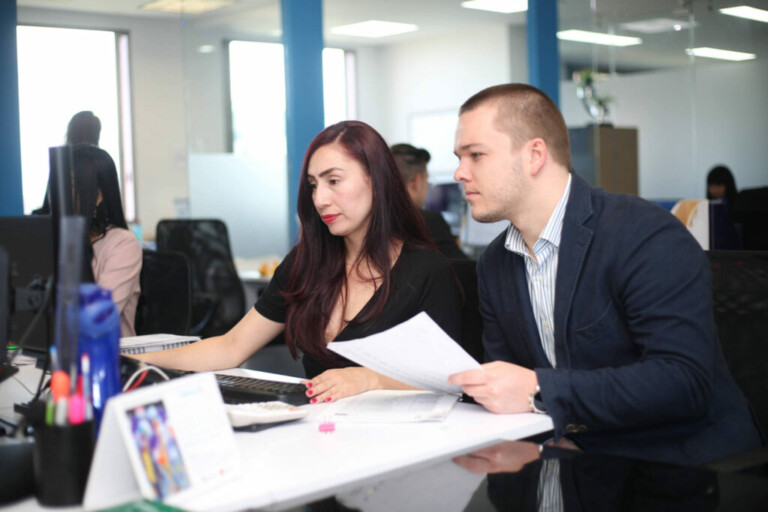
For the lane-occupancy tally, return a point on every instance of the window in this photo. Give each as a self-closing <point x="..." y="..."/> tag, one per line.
<point x="61" y="72"/>
<point x="257" y="92"/>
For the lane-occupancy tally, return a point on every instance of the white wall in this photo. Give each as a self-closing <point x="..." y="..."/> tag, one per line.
<point x="159" y="119"/>
<point x="440" y="73"/>
<point x="682" y="136"/>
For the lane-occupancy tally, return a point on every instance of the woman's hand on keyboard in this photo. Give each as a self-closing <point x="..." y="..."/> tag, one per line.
<point x="339" y="383"/>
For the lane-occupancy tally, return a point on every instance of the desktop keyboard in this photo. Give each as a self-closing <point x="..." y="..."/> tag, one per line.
<point x="238" y="390"/>
<point x="234" y="390"/>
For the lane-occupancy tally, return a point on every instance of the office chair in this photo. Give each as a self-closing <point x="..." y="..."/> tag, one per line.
<point x="165" y="302"/>
<point x="740" y="286"/>
<point x="750" y="211"/>
<point x="218" y="299"/>
<point x="471" y="321"/>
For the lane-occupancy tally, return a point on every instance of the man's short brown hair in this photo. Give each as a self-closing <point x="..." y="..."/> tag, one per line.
<point x="411" y="161"/>
<point x="524" y="113"/>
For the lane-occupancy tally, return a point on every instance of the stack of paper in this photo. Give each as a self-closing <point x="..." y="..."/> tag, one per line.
<point x="418" y="353"/>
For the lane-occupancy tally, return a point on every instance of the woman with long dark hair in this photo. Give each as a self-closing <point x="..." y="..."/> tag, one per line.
<point x="363" y="263"/>
<point x="115" y="251"/>
<point x="721" y="185"/>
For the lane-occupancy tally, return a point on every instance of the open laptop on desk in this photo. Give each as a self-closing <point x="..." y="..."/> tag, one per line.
<point x="234" y="388"/>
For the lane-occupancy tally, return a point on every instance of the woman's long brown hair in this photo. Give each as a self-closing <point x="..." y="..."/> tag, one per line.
<point x="318" y="274"/>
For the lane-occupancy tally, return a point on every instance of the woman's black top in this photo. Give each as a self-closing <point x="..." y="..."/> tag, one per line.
<point x="421" y="281"/>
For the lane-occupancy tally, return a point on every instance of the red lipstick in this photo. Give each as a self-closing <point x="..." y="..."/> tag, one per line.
<point x="329" y="218"/>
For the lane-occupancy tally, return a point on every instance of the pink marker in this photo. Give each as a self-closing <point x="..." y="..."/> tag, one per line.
<point x="76" y="409"/>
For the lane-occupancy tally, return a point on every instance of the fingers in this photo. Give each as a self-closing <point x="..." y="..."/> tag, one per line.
<point x="321" y="388"/>
<point x="468" y="378"/>
<point x="473" y="463"/>
<point x="331" y="385"/>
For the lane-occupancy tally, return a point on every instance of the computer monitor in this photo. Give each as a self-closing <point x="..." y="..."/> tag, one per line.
<point x="28" y="243"/>
<point x="61" y="189"/>
<point x="447" y="198"/>
<point x="5" y="314"/>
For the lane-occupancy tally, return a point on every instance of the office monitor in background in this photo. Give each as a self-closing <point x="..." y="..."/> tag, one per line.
<point x="6" y="370"/>
<point x="28" y="242"/>
<point x="448" y="199"/>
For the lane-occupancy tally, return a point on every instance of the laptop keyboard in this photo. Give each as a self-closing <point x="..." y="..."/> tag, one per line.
<point x="234" y="389"/>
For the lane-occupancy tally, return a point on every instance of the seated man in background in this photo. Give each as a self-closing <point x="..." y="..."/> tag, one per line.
<point x="412" y="163"/>
<point x="597" y="307"/>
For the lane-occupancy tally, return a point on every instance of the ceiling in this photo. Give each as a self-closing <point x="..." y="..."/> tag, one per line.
<point x="261" y="18"/>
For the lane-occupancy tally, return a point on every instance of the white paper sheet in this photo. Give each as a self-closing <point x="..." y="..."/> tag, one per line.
<point x="392" y="406"/>
<point x="417" y="352"/>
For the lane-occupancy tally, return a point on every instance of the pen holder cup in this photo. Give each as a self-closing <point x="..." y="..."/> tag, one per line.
<point x="61" y="458"/>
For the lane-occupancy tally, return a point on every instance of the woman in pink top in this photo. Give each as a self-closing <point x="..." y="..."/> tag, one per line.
<point x="116" y="258"/>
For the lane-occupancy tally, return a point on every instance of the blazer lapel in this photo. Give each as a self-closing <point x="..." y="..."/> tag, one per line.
<point x="574" y="243"/>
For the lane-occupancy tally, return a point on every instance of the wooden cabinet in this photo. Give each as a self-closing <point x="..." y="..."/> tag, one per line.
<point x="606" y="157"/>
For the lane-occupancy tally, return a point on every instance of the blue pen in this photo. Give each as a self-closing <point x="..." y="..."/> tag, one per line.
<point x="54" y="353"/>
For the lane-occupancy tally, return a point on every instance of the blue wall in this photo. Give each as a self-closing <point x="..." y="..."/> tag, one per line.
<point x="11" y="200"/>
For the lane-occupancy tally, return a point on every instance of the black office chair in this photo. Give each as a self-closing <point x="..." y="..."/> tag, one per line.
<point x="218" y="299"/>
<point x="471" y="321"/>
<point x="750" y="212"/>
<point x="740" y="286"/>
<point x="165" y="303"/>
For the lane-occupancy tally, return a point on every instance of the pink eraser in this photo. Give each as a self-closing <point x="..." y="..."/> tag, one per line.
<point x="328" y="426"/>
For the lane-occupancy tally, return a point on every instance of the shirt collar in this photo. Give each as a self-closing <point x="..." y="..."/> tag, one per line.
<point x="551" y="233"/>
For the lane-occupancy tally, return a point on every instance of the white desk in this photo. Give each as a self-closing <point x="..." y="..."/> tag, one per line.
<point x="295" y="462"/>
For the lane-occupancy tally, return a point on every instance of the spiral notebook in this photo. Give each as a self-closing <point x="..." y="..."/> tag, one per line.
<point x="153" y="342"/>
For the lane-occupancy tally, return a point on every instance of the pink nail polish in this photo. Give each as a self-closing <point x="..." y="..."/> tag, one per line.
<point x="309" y="384"/>
<point x="313" y="400"/>
<point x="309" y="393"/>
<point x="328" y="399"/>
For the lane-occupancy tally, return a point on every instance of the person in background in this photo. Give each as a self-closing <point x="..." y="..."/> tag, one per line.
<point x="727" y="232"/>
<point x="597" y="307"/>
<point x="721" y="185"/>
<point x="412" y="163"/>
<point x="364" y="263"/>
<point x="116" y="254"/>
<point x="83" y="128"/>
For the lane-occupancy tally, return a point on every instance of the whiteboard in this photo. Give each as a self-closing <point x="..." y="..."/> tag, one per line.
<point x="435" y="132"/>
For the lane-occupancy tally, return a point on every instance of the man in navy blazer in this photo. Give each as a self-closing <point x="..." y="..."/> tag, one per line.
<point x="597" y="307"/>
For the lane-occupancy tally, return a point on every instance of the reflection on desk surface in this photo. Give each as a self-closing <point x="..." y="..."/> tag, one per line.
<point x="516" y="475"/>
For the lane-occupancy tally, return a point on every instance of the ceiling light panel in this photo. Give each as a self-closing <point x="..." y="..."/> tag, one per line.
<point x="744" y="11"/>
<point x="503" y="6"/>
<point x="582" y="36"/>
<point x="716" y="53"/>
<point x="374" y="28"/>
<point x="658" y="25"/>
<point x="185" y="6"/>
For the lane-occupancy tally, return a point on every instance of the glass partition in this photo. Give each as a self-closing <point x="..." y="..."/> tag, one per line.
<point x="690" y="111"/>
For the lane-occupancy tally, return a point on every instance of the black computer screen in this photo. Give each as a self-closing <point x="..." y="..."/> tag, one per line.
<point x="29" y="244"/>
<point x="5" y="304"/>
